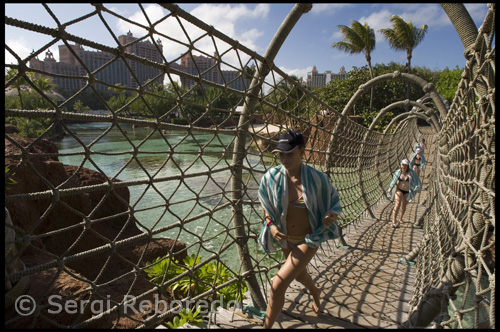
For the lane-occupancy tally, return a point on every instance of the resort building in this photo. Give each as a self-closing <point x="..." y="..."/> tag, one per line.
<point x="196" y="65"/>
<point x="321" y="79"/>
<point x="102" y="64"/>
<point x="117" y="72"/>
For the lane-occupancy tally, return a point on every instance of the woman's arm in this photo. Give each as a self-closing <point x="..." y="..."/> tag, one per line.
<point x="330" y="218"/>
<point x="394" y="181"/>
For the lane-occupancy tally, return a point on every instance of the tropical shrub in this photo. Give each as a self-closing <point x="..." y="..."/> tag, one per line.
<point x="186" y="316"/>
<point x="201" y="280"/>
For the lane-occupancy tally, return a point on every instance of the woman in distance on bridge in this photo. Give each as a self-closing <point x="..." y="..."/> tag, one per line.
<point x="407" y="183"/>
<point x="421" y="145"/>
<point x="417" y="161"/>
<point x="300" y="208"/>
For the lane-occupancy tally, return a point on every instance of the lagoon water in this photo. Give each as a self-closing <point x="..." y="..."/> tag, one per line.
<point x="172" y="201"/>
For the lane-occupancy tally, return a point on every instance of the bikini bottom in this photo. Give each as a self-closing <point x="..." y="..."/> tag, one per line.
<point x="294" y="240"/>
<point x="404" y="192"/>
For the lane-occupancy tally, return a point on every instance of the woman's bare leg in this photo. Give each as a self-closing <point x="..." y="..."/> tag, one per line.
<point x="295" y="263"/>
<point x="397" y="204"/>
<point x="404" y="202"/>
<point x="305" y="279"/>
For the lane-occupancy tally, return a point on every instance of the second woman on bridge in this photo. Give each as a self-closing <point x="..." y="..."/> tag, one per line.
<point x="300" y="207"/>
<point x="407" y="183"/>
<point x="417" y="161"/>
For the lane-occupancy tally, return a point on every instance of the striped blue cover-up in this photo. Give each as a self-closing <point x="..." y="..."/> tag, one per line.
<point x="422" y="161"/>
<point x="319" y="195"/>
<point x="415" y="183"/>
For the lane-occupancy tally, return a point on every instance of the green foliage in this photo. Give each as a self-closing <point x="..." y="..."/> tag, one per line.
<point x="337" y="93"/>
<point x="447" y="83"/>
<point x="31" y="100"/>
<point x="201" y="279"/>
<point x="116" y="103"/>
<point x="9" y="180"/>
<point x="94" y="100"/>
<point x="179" y="121"/>
<point x="404" y="35"/>
<point x="79" y="106"/>
<point x="186" y="316"/>
<point x="31" y="128"/>
<point x="156" y="102"/>
<point x="286" y="96"/>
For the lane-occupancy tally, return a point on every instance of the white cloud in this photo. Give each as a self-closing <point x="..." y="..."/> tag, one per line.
<point x="21" y="47"/>
<point x="229" y="19"/>
<point x="327" y="8"/>
<point x="226" y="18"/>
<point x="299" y="72"/>
<point x="226" y="15"/>
<point x="154" y="13"/>
<point x="377" y="21"/>
<point x="431" y="15"/>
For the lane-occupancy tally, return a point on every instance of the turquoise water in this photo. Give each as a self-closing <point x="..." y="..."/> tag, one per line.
<point x="136" y="154"/>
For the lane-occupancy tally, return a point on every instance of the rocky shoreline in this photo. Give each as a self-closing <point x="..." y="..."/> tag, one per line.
<point x="56" y="228"/>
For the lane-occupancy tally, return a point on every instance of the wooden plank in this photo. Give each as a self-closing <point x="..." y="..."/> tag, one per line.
<point x="320" y="320"/>
<point x="227" y="319"/>
<point x="382" y="273"/>
<point x="365" y="301"/>
<point x="393" y="268"/>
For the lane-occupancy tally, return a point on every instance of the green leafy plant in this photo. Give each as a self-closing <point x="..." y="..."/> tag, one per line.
<point x="9" y="180"/>
<point x="186" y="316"/>
<point x="202" y="278"/>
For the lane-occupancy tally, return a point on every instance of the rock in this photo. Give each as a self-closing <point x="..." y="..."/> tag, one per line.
<point x="10" y="129"/>
<point x="64" y="297"/>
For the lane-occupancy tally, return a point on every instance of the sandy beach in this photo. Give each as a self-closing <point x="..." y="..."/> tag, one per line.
<point x="264" y="129"/>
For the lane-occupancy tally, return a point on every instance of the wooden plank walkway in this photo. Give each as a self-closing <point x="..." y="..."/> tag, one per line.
<point x="365" y="286"/>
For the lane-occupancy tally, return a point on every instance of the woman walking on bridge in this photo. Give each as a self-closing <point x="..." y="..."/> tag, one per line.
<point x="421" y="145"/>
<point x="417" y="161"/>
<point x="300" y="208"/>
<point x="407" y="183"/>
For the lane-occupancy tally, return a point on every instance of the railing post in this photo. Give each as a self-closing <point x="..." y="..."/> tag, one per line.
<point x="239" y="148"/>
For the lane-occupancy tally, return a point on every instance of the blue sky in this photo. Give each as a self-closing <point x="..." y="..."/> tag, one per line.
<point x="254" y="25"/>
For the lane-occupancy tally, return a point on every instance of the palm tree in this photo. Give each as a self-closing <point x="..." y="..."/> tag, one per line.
<point x="18" y="84"/>
<point x="358" y="38"/>
<point x="43" y="83"/>
<point x="404" y="36"/>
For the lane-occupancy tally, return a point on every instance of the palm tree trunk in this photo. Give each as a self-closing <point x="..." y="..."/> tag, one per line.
<point x="20" y="98"/>
<point x="408" y="84"/>
<point x="371" y="91"/>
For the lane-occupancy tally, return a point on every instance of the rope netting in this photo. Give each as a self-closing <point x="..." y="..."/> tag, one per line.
<point x="455" y="283"/>
<point x="156" y="198"/>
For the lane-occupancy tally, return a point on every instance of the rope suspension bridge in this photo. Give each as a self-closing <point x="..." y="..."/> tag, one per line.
<point x="193" y="194"/>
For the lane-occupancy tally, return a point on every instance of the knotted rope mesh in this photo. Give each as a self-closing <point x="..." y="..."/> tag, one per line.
<point x="456" y="265"/>
<point x="190" y="173"/>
